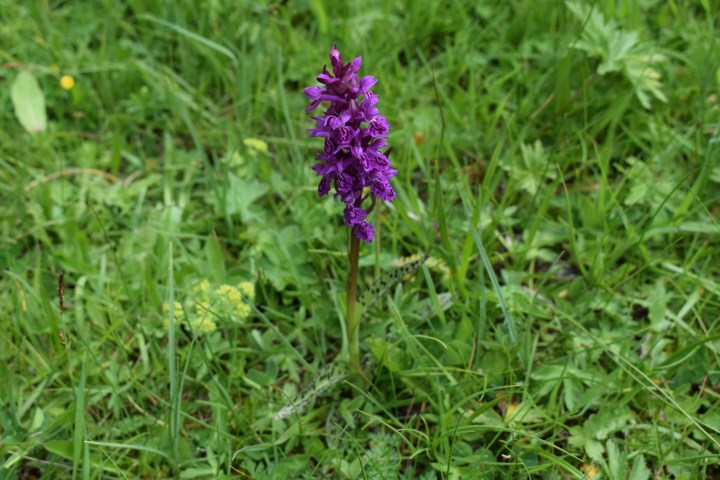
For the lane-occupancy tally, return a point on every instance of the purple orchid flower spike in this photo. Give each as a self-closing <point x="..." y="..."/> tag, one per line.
<point x="354" y="132"/>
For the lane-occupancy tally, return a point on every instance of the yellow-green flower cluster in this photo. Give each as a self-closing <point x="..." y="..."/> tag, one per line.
<point x="178" y="313"/>
<point x="247" y="289"/>
<point x="203" y="324"/>
<point x="201" y="301"/>
<point x="206" y="304"/>
<point x="232" y="299"/>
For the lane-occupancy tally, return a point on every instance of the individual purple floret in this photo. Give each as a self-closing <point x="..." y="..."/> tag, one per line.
<point x="354" y="132"/>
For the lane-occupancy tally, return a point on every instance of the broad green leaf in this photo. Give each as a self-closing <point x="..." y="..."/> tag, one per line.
<point x="445" y="300"/>
<point x="521" y="413"/>
<point x="392" y="357"/>
<point x="489" y="418"/>
<point x="29" y="102"/>
<point x="62" y="448"/>
<point x="242" y="193"/>
<point x="38" y="419"/>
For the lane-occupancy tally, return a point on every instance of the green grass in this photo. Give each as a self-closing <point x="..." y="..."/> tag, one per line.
<point x="559" y="164"/>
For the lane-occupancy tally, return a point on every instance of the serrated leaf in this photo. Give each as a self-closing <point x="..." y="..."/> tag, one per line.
<point x="594" y="450"/>
<point x="619" y="51"/>
<point x="616" y="460"/>
<point x="639" y="469"/>
<point x="715" y="174"/>
<point x="531" y="168"/>
<point x="571" y="391"/>
<point x="658" y="308"/>
<point x="601" y="425"/>
<point x="579" y="438"/>
<point x="29" y="102"/>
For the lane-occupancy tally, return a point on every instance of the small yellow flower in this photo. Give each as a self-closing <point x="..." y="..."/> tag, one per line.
<point x="242" y="310"/>
<point x="236" y="160"/>
<point x="234" y="297"/>
<point x="256" y="144"/>
<point x="178" y="312"/>
<point x="67" y="82"/>
<point x="231" y="293"/>
<point x="204" y="324"/>
<point x="202" y="307"/>
<point x="208" y="326"/>
<point x="203" y="286"/>
<point x="202" y="291"/>
<point x="247" y="289"/>
<point x="590" y="470"/>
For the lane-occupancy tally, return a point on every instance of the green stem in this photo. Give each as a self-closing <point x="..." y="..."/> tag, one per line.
<point x="352" y="320"/>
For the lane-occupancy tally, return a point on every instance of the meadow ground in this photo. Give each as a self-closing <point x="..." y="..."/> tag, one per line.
<point x="558" y="162"/>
